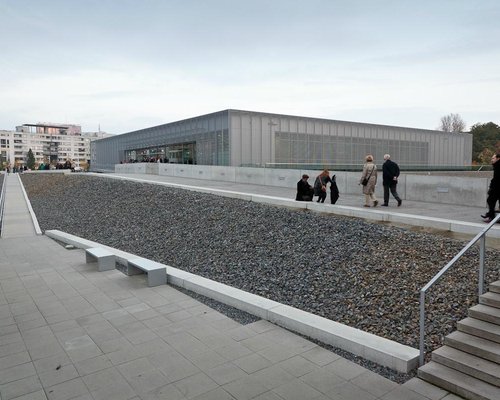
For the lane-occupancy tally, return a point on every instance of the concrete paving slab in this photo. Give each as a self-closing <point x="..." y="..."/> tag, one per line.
<point x="68" y="318"/>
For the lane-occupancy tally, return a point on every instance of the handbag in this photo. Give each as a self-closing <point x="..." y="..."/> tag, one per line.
<point x="364" y="182"/>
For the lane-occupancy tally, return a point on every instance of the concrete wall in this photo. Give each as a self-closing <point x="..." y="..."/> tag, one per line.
<point x="438" y="189"/>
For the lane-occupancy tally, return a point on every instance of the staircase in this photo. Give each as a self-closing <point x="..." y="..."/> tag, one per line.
<point x="469" y="362"/>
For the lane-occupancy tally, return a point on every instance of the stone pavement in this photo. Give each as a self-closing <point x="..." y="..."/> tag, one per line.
<point x="70" y="332"/>
<point x="17" y="221"/>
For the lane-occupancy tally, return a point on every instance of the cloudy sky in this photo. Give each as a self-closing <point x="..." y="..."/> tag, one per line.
<point x="128" y="64"/>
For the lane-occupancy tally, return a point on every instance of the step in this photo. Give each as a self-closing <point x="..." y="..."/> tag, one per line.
<point x="490" y="299"/>
<point x="483" y="329"/>
<point x="485" y="313"/>
<point x="494" y="287"/>
<point x="457" y="382"/>
<point x="474" y="345"/>
<point x="476" y="367"/>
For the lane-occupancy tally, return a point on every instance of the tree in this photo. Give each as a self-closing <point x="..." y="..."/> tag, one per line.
<point x="452" y="123"/>
<point x="30" y="162"/>
<point x="485" y="141"/>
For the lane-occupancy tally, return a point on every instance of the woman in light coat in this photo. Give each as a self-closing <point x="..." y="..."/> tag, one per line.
<point x="369" y="173"/>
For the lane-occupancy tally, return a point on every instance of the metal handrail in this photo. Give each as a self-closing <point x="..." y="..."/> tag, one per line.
<point x="339" y="166"/>
<point x="2" y="201"/>
<point x="482" y="250"/>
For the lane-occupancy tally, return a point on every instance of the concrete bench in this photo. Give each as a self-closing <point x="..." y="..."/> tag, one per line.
<point x="104" y="258"/>
<point x="157" y="273"/>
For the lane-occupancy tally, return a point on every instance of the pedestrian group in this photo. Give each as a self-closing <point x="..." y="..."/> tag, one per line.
<point x="368" y="180"/>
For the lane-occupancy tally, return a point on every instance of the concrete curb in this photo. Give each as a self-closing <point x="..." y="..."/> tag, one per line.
<point x="371" y="347"/>
<point x="378" y="215"/>
<point x="30" y="209"/>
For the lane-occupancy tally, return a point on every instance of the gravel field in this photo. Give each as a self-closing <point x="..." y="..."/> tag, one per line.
<point x="362" y="274"/>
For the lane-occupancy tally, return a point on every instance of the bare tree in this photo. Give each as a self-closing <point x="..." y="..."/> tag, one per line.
<point x="452" y="123"/>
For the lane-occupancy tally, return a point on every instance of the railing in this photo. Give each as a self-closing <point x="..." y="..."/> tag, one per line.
<point x="358" y="166"/>
<point x="2" y="200"/>
<point x="481" y="236"/>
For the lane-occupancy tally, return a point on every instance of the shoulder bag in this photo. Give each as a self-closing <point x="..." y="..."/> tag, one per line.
<point x="364" y="182"/>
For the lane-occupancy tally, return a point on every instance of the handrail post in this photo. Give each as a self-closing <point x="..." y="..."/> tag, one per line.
<point x="481" y="237"/>
<point x="422" y="327"/>
<point x="482" y="252"/>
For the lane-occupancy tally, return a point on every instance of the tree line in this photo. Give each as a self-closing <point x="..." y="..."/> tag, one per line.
<point x="485" y="137"/>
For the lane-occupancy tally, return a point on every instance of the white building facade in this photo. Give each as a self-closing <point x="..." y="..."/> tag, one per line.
<point x="50" y="143"/>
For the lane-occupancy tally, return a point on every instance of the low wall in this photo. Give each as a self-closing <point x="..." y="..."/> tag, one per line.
<point x="443" y="189"/>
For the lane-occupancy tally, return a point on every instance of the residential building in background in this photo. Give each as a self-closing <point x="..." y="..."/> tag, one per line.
<point x="247" y="138"/>
<point x="96" y="135"/>
<point x="50" y="143"/>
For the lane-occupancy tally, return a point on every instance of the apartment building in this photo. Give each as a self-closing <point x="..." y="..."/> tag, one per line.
<point x="50" y="143"/>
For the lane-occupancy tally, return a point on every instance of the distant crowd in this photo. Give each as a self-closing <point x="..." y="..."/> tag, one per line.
<point x="43" y="167"/>
<point x="156" y="160"/>
<point x="16" y="168"/>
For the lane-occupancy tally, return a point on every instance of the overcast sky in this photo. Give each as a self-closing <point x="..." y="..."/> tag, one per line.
<point x="128" y="64"/>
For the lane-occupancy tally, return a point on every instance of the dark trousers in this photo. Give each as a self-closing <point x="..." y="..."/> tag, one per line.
<point x="492" y="199"/>
<point x="321" y="197"/>
<point x="305" y="196"/>
<point x="334" y="196"/>
<point x="392" y="188"/>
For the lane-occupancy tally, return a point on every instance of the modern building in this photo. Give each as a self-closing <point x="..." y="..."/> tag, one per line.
<point x="49" y="142"/>
<point x="96" y="135"/>
<point x="246" y="138"/>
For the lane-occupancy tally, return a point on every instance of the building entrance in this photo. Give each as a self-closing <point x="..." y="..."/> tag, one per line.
<point x="182" y="153"/>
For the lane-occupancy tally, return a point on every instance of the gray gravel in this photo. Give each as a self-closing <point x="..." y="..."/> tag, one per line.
<point x="362" y="274"/>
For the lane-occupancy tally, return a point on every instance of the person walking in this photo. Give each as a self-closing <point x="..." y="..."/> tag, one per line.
<point x="390" y="175"/>
<point x="369" y="181"/>
<point x="320" y="185"/>
<point x="305" y="191"/>
<point x="494" y="190"/>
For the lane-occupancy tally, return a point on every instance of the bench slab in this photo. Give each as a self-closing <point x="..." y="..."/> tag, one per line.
<point x="105" y="259"/>
<point x="157" y="273"/>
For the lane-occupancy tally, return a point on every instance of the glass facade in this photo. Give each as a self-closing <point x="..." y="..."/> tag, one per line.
<point x="302" y="148"/>
<point x="246" y="138"/>
<point x="210" y="148"/>
<point x="287" y="141"/>
<point x="183" y="153"/>
<point x="200" y="140"/>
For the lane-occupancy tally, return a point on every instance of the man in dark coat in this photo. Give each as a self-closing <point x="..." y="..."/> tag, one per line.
<point x="305" y="191"/>
<point x="390" y="175"/>
<point x="494" y="190"/>
<point x="334" y="190"/>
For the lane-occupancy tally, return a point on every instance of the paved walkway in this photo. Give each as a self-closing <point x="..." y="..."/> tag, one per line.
<point x="70" y="332"/>
<point x="17" y="220"/>
<point x="446" y="211"/>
